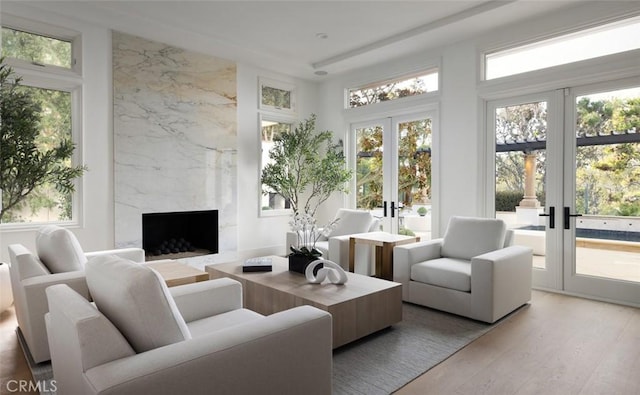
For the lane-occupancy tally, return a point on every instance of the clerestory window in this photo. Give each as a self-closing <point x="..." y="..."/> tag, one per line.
<point x="411" y="85"/>
<point x="591" y="43"/>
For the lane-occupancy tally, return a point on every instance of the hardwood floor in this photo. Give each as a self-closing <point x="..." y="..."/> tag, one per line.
<point x="557" y="345"/>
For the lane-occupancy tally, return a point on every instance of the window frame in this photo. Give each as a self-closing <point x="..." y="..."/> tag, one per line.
<point x="280" y="85"/>
<point x="431" y="69"/>
<point x="61" y="79"/>
<point x="280" y="118"/>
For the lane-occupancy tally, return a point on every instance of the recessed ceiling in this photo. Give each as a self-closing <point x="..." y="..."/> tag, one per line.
<point x="283" y="35"/>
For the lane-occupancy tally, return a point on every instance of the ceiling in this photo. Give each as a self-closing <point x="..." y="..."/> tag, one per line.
<point x="300" y="37"/>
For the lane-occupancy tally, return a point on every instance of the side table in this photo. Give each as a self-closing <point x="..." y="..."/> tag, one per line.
<point x="384" y="243"/>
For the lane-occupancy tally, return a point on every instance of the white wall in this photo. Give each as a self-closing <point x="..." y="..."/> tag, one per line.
<point x="260" y="235"/>
<point x="97" y="230"/>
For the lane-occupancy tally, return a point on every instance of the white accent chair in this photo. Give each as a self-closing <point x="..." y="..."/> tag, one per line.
<point x="59" y="260"/>
<point x="141" y="337"/>
<point x="335" y="247"/>
<point x="472" y="271"/>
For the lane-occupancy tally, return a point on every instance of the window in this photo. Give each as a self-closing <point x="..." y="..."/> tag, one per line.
<point x="277" y="96"/>
<point x="56" y="88"/>
<point x="36" y="49"/>
<point x="394" y="89"/>
<point x="604" y="40"/>
<point x="270" y="128"/>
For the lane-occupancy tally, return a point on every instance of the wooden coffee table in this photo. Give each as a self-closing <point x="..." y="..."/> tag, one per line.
<point x="177" y="273"/>
<point x="360" y="307"/>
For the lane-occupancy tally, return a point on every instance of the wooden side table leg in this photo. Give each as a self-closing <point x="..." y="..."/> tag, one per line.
<point x="387" y="261"/>
<point x="352" y="254"/>
<point x="379" y="262"/>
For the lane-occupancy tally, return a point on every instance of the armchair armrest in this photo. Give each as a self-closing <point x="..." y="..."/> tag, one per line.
<point x="286" y="352"/>
<point x="207" y="298"/>
<point x="133" y="254"/>
<point x="406" y="255"/>
<point x="35" y="306"/>
<point x="500" y="282"/>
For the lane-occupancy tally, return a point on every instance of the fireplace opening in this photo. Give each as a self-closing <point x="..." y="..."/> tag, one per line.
<point x="176" y="235"/>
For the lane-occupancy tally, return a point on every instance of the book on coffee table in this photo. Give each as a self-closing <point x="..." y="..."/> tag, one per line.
<point x="257" y="265"/>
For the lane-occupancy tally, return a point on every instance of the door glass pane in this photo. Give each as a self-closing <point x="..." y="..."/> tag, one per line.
<point x="521" y="132"/>
<point x="414" y="178"/>
<point x="369" y="170"/>
<point x="608" y="185"/>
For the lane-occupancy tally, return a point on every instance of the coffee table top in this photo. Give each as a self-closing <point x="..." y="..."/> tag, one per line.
<point x="327" y="294"/>
<point x="177" y="273"/>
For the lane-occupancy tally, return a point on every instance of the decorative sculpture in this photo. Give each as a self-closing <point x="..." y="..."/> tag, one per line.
<point x="330" y="270"/>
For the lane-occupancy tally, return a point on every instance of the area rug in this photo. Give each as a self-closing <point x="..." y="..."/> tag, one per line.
<point x="387" y="360"/>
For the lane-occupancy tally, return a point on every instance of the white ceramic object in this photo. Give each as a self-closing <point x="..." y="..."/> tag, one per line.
<point x="330" y="270"/>
<point x="6" y="296"/>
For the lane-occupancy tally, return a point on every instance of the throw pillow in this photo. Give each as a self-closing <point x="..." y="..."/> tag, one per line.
<point x="467" y="237"/>
<point x="351" y="222"/>
<point x="59" y="249"/>
<point x="136" y="300"/>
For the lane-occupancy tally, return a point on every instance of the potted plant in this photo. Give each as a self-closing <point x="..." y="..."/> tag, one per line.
<point x="305" y="168"/>
<point x="422" y="211"/>
<point x="24" y="165"/>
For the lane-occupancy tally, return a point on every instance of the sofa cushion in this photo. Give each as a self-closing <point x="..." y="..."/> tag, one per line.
<point x="59" y="249"/>
<point x="137" y="301"/>
<point x="468" y="237"/>
<point x="351" y="221"/>
<point x="444" y="272"/>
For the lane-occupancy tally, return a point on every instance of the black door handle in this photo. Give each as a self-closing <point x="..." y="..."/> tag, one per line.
<point x="393" y="209"/>
<point x="384" y="208"/>
<point x="552" y="217"/>
<point x="567" y="217"/>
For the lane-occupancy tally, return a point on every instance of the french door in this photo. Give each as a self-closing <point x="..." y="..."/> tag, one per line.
<point x="566" y="166"/>
<point x="391" y="159"/>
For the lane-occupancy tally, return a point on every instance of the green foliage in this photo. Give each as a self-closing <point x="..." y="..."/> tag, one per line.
<point x="25" y="164"/>
<point x="406" y="232"/>
<point x="414" y="164"/>
<point x="422" y="211"/>
<point x="509" y="200"/>
<point x="305" y="164"/>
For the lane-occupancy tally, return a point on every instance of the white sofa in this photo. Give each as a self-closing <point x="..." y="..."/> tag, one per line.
<point x="472" y="271"/>
<point x="335" y="246"/>
<point x="59" y="260"/>
<point x="144" y="338"/>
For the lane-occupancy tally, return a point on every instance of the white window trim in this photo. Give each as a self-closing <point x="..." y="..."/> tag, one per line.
<point x="54" y="78"/>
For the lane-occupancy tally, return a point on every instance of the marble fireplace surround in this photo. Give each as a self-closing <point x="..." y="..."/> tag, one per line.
<point x="175" y="136"/>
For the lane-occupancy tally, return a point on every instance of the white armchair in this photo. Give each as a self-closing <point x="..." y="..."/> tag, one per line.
<point x="335" y="247"/>
<point x="60" y="260"/>
<point x="142" y="337"/>
<point x="472" y="271"/>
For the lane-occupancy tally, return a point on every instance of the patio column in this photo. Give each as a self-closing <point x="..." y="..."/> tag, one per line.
<point x="530" y="199"/>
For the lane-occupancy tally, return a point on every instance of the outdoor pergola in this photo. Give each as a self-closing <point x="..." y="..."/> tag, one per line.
<point x="528" y="147"/>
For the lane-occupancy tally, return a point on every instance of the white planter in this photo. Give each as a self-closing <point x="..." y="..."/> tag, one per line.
<point x="6" y="296"/>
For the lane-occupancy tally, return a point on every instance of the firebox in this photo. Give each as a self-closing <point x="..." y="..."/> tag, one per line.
<point x="186" y="233"/>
